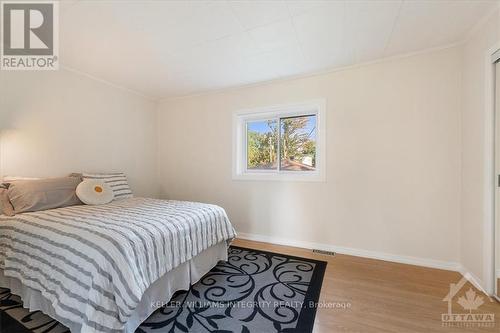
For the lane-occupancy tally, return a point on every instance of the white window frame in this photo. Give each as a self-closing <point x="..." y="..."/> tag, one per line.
<point x="240" y="119"/>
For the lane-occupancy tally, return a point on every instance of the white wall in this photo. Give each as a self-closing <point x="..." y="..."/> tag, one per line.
<point x="393" y="156"/>
<point x="476" y="133"/>
<point x="60" y="122"/>
<point x="406" y="169"/>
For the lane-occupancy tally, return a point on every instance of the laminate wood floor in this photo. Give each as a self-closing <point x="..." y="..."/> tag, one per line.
<point x="379" y="296"/>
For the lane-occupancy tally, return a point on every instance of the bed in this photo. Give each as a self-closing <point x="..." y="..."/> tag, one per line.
<point x="107" y="268"/>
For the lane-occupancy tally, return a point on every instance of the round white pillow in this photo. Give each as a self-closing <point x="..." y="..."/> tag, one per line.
<point x="94" y="192"/>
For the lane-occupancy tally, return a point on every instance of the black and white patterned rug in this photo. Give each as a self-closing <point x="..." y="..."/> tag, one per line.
<point x="254" y="291"/>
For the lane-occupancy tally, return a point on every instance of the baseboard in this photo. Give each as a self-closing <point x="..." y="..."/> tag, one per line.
<point x="425" y="262"/>
<point x="476" y="282"/>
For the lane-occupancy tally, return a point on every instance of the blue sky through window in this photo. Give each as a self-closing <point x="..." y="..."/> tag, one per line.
<point x="262" y="127"/>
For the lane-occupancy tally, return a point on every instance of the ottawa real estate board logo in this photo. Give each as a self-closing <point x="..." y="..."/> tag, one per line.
<point x="470" y="301"/>
<point x="29" y="35"/>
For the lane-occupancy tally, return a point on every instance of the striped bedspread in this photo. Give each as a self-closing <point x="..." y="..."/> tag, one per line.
<point x="94" y="262"/>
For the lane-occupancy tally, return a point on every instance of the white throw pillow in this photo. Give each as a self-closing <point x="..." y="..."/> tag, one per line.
<point x="117" y="181"/>
<point x="94" y="192"/>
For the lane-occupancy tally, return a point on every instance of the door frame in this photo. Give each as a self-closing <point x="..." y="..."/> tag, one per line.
<point x="489" y="229"/>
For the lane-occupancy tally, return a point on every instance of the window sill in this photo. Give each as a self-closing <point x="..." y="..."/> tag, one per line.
<point x="283" y="177"/>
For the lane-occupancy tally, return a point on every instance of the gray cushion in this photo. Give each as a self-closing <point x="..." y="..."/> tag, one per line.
<point x="43" y="194"/>
<point x="5" y="205"/>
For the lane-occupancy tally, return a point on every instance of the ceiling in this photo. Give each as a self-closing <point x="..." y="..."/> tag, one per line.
<point x="163" y="49"/>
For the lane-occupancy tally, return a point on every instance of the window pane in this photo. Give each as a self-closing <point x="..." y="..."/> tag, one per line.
<point x="298" y="143"/>
<point x="262" y="145"/>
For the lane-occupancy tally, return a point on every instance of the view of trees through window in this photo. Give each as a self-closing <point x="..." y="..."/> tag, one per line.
<point x="296" y="148"/>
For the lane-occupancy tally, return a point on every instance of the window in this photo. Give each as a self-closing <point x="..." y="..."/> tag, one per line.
<point x="280" y="143"/>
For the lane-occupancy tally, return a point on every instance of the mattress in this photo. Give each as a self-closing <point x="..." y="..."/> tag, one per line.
<point x="93" y="264"/>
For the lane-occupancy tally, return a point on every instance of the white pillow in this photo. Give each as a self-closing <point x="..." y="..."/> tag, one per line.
<point x="94" y="192"/>
<point x="117" y="181"/>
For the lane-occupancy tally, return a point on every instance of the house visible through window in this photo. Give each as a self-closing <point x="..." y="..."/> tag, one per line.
<point x="279" y="142"/>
